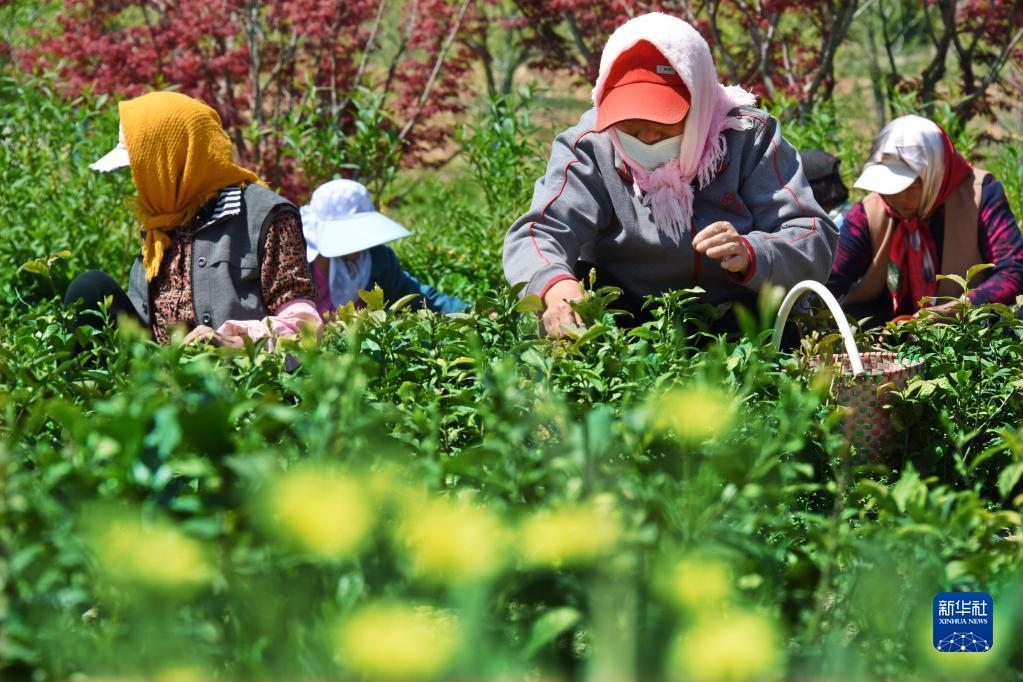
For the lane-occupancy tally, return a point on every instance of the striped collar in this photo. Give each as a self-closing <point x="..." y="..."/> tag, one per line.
<point x="229" y="203"/>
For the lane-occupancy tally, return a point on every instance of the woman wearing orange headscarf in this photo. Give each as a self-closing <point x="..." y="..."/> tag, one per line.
<point x="222" y="256"/>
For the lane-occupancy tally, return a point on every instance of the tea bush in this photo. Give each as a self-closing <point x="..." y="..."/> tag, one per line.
<point x="451" y="497"/>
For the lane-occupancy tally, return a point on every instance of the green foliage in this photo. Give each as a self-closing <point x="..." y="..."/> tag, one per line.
<point x="500" y="152"/>
<point x="51" y="202"/>
<point x="823" y="128"/>
<point x="371" y="153"/>
<point x="458" y="224"/>
<point x="1006" y="163"/>
<point x="452" y="497"/>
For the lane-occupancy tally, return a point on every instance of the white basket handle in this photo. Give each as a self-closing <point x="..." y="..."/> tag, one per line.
<point x="836" y="311"/>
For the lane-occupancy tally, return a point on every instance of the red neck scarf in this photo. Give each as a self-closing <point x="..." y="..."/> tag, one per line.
<point x="913" y="256"/>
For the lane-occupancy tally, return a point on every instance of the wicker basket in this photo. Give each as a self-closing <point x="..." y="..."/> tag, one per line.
<point x="863" y="382"/>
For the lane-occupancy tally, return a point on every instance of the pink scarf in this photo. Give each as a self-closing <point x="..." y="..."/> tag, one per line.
<point x="668" y="190"/>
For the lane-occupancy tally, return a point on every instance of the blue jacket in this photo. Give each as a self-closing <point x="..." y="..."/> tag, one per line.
<point x="395" y="282"/>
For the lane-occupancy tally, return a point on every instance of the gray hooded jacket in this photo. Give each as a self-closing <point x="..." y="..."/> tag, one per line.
<point x="587" y="208"/>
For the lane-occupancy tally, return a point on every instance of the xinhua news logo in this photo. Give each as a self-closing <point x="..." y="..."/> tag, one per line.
<point x="963" y="622"/>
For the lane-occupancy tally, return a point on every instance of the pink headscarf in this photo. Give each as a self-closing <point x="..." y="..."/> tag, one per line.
<point x="668" y="189"/>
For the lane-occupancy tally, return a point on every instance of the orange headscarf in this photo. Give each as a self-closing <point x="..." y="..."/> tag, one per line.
<point x="180" y="158"/>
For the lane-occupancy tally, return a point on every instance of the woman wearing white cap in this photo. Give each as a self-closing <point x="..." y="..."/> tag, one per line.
<point x="671" y="181"/>
<point x="345" y="239"/>
<point x="929" y="212"/>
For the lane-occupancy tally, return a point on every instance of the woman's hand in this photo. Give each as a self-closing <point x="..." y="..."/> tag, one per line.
<point x="558" y="311"/>
<point x="723" y="243"/>
<point x="949" y="308"/>
<point x="204" y="334"/>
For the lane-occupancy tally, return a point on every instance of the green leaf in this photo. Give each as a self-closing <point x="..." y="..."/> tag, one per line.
<point x="978" y="268"/>
<point x="1009" y="477"/>
<point x="402" y="302"/>
<point x="529" y="304"/>
<point x="374" y="299"/>
<point x="591" y="334"/>
<point x="36" y="266"/>
<point x="908" y="485"/>
<point x="550" y="626"/>
<point x="957" y="279"/>
<point x="59" y="255"/>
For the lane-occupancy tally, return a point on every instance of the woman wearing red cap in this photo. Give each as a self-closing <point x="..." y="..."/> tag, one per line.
<point x="672" y="181"/>
<point x="929" y="212"/>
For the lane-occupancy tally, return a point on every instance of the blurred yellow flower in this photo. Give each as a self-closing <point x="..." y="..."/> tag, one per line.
<point x="733" y="648"/>
<point x="389" y="484"/>
<point x="181" y="674"/>
<point x="694" y="413"/>
<point x="321" y="510"/>
<point x="570" y="534"/>
<point x="698" y="584"/>
<point x="154" y="553"/>
<point x="453" y="541"/>
<point x="958" y="666"/>
<point x="398" y="642"/>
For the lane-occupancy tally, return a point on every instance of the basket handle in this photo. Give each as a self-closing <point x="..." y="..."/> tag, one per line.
<point x="807" y="286"/>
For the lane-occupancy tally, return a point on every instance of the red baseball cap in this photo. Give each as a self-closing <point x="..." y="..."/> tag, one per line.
<point x="642" y="84"/>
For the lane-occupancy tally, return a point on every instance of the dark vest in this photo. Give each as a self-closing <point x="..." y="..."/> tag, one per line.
<point x="226" y="258"/>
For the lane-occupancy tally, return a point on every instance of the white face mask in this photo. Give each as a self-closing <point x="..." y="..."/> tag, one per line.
<point x="650" y="156"/>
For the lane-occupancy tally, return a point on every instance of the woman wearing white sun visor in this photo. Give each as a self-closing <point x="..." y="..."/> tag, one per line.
<point x="346" y="241"/>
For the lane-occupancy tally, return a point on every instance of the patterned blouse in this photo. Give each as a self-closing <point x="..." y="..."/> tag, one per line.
<point x="998" y="237"/>
<point x="284" y="274"/>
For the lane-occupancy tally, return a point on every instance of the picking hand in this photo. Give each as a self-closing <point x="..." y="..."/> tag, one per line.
<point x="723" y="243"/>
<point x="204" y="334"/>
<point x="949" y="308"/>
<point x="558" y="311"/>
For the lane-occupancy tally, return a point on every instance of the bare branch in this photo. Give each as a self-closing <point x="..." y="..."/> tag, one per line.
<point x="254" y="34"/>
<point x="726" y="57"/>
<point x="889" y="43"/>
<point x="510" y="67"/>
<point x="935" y="71"/>
<point x="992" y="74"/>
<point x="827" y="59"/>
<point x="363" y="59"/>
<point x="441" y="56"/>
<point x="875" y="76"/>
<point x="577" y="38"/>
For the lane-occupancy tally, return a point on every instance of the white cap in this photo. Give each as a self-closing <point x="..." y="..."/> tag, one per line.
<point x="887" y="176"/>
<point x="115" y="158"/>
<point x="340" y="219"/>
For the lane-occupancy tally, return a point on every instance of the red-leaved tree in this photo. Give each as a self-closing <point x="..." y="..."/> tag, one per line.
<point x="774" y="47"/>
<point x="259" y="63"/>
<point x="783" y="50"/>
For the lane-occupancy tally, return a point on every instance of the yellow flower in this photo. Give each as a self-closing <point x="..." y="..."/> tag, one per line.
<point x="693" y="414"/>
<point x="398" y="642"/>
<point x="153" y="553"/>
<point x="453" y="541"/>
<point x="389" y="484"/>
<point x="734" y="648"/>
<point x="181" y="674"/>
<point x="958" y="666"/>
<point x="699" y="584"/>
<point x="569" y="535"/>
<point x="321" y="510"/>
